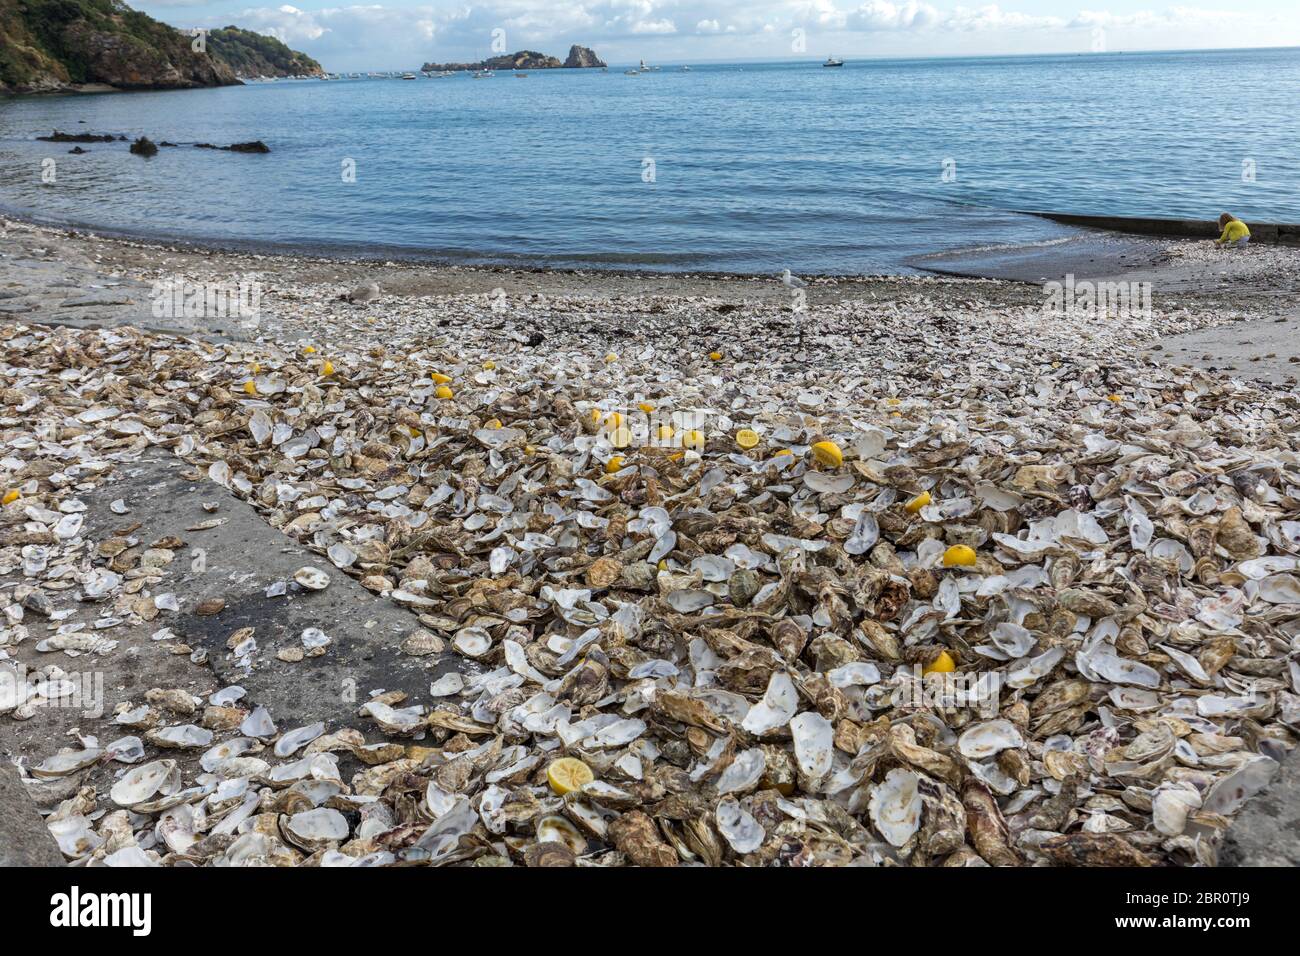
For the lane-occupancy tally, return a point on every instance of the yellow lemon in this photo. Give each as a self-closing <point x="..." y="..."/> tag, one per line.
<point x="959" y="556"/>
<point x="663" y="564"/>
<point x="895" y="414"/>
<point x="677" y="456"/>
<point x="715" y="356"/>
<point x="828" y="453"/>
<point x="666" y="432"/>
<point x="783" y="452"/>
<point x="614" y="464"/>
<point x="919" y="502"/>
<point x="568" y="774"/>
<point x="415" y="432"/>
<point x="892" y="402"/>
<point x="493" y="423"/>
<point x="595" y="416"/>
<point x="747" y="438"/>
<point x="11" y="495"/>
<point x="1114" y="398"/>
<point x="442" y="391"/>
<point x="310" y="349"/>
<point x="693" y="439"/>
<point x="327" y="367"/>
<point x="620" y="437"/>
<point x="489" y="365"/>
<point x="250" y="388"/>
<point x="530" y="449"/>
<point x="615" y="420"/>
<point x="254" y="367"/>
<point x="439" y="378"/>
<point x="943" y="664"/>
<point x="646" y="407"/>
<point x="611" y="357"/>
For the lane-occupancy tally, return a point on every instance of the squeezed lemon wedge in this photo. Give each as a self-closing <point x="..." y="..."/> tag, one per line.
<point x="693" y="439"/>
<point x="442" y="391"/>
<point x="327" y="367"/>
<point x="715" y="356"/>
<point x="10" y="496"/>
<point x="614" y="464"/>
<point x="250" y="388"/>
<point x="828" y="453"/>
<point x="568" y="774"/>
<point x="919" y="502"/>
<point x="620" y="437"/>
<point x="439" y="378"/>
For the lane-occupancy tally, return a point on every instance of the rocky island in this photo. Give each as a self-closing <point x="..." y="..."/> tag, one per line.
<point x="53" y="46"/>
<point x="579" y="57"/>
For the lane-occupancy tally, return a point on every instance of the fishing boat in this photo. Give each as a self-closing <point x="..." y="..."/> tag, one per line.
<point x="631" y="72"/>
<point x="833" y="61"/>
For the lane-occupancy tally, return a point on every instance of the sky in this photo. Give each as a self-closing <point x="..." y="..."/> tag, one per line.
<point x="402" y="34"/>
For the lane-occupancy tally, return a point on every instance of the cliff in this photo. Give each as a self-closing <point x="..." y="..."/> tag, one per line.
<point x="61" y="45"/>
<point x="252" y="54"/>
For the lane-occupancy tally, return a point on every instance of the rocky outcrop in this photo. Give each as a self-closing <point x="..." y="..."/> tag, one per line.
<point x="523" y="60"/>
<point x="581" y="57"/>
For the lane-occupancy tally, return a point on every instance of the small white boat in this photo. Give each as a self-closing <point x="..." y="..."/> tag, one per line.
<point x="833" y="61"/>
<point x="631" y="72"/>
<point x="408" y="76"/>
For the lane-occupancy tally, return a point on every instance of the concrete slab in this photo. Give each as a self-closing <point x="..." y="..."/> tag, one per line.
<point x="1267" y="831"/>
<point x="236" y="562"/>
<point x="25" y="840"/>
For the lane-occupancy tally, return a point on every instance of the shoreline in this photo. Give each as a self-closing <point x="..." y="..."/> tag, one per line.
<point x="1089" y="254"/>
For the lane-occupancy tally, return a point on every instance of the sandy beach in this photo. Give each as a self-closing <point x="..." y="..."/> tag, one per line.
<point x="397" y="555"/>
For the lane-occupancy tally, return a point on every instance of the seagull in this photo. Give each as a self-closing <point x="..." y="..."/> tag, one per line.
<point x="362" y="294"/>
<point x="791" y="281"/>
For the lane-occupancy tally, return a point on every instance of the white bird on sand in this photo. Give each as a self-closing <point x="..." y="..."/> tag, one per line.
<point x="362" y="294"/>
<point x="792" y="281"/>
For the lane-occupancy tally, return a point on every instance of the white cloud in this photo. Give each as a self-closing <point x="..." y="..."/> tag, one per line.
<point x="383" y="35"/>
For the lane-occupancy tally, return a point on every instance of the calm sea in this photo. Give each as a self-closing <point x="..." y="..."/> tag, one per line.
<point x="732" y="167"/>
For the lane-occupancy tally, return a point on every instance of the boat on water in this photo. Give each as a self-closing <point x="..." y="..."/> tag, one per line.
<point x="484" y="75"/>
<point x="631" y="72"/>
<point x="521" y="76"/>
<point x="408" y="76"/>
<point x="833" y="61"/>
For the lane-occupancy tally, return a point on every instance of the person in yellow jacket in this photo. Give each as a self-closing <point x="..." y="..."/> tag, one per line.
<point x="1234" y="230"/>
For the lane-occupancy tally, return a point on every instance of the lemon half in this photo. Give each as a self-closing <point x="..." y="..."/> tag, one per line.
<point x="568" y="774"/>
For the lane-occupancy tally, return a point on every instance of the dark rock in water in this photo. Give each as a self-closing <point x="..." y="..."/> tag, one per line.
<point x="256" y="146"/>
<point x="77" y="138"/>
<point x="537" y="338"/>
<point x="165" y="143"/>
<point x="77" y="151"/>
<point x="582" y="57"/>
<point x="144" y="146"/>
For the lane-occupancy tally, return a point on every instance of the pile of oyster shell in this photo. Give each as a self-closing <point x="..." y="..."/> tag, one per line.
<point x="761" y="655"/>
